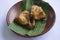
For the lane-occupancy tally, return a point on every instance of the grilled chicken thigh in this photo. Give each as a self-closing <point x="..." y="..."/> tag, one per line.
<point x="37" y="12"/>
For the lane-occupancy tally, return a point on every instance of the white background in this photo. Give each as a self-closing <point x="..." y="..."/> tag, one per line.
<point x="6" y="34"/>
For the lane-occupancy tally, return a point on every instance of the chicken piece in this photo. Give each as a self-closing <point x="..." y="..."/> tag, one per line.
<point x="24" y="19"/>
<point x="37" y="12"/>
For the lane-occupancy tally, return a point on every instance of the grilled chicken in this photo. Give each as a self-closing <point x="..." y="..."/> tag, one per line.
<point x="37" y="12"/>
<point x="23" y="18"/>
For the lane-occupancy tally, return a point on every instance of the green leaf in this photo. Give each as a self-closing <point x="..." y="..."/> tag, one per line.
<point x="39" y="27"/>
<point x="27" y="4"/>
<point x="17" y="28"/>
